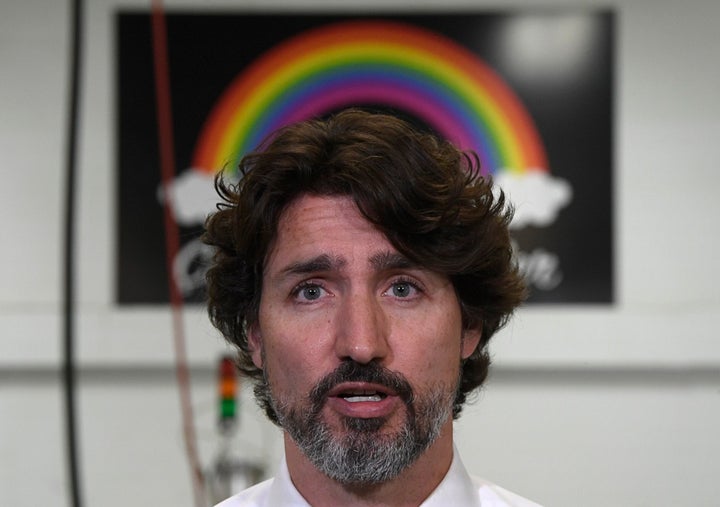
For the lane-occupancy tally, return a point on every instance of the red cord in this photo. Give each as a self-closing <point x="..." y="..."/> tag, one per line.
<point x="172" y="240"/>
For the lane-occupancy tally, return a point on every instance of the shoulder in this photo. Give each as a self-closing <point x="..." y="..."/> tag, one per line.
<point x="254" y="496"/>
<point x="492" y="495"/>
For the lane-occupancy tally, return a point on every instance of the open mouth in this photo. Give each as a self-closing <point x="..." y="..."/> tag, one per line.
<point x="357" y="392"/>
<point x="363" y="400"/>
<point x="355" y="397"/>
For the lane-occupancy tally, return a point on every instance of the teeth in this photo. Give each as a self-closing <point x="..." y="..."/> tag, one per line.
<point x="357" y="398"/>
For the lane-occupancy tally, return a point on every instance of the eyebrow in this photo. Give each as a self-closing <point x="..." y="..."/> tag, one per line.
<point x="386" y="261"/>
<point x="382" y="261"/>
<point x="317" y="264"/>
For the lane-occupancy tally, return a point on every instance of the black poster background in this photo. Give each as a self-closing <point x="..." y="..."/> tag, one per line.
<point x="573" y="116"/>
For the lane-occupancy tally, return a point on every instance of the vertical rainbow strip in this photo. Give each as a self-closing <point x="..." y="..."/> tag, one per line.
<point x="378" y="62"/>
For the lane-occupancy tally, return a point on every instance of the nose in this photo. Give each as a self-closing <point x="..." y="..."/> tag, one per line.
<point x="362" y="330"/>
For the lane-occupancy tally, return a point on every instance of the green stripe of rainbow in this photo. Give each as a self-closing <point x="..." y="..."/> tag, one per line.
<point x="439" y="81"/>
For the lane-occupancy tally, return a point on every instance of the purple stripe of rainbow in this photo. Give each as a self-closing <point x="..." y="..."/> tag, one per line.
<point x="430" y="101"/>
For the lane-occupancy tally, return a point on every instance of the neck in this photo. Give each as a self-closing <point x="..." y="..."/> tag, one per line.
<point x="410" y="488"/>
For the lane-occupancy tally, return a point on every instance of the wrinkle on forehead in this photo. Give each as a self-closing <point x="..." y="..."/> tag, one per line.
<point x="306" y="219"/>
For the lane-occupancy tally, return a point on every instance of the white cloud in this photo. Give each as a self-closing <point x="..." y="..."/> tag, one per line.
<point x="193" y="197"/>
<point x="537" y="196"/>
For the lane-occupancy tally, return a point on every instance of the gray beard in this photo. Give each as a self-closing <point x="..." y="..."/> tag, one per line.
<point x="360" y="455"/>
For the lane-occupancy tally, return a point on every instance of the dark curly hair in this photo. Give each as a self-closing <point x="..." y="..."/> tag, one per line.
<point x="425" y="195"/>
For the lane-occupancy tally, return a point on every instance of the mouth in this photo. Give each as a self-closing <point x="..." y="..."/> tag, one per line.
<point x="356" y="397"/>
<point x="362" y="399"/>
<point x="364" y="391"/>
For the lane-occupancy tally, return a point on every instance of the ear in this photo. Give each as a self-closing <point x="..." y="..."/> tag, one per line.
<point x="470" y="341"/>
<point x="255" y="345"/>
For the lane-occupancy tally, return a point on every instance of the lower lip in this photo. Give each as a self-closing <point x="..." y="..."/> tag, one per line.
<point x="364" y="409"/>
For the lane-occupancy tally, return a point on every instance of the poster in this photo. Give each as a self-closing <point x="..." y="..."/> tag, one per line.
<point x="530" y="91"/>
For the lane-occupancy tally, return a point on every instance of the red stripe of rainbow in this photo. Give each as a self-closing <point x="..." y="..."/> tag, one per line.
<point x="377" y="62"/>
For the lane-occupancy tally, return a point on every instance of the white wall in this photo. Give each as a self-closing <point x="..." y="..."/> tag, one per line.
<point x="587" y="406"/>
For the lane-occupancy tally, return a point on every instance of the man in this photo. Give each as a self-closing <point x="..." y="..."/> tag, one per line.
<point x="361" y="269"/>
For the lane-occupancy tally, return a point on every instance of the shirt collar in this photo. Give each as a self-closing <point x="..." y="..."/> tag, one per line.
<point x="283" y="491"/>
<point x="456" y="488"/>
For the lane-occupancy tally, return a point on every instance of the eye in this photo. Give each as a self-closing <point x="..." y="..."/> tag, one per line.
<point x="403" y="289"/>
<point x="308" y="291"/>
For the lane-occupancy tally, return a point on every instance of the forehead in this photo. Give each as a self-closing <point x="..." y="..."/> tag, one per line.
<point x="331" y="225"/>
<point x="323" y="210"/>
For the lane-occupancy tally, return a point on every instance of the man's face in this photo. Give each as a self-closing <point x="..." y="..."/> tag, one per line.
<point x="361" y="349"/>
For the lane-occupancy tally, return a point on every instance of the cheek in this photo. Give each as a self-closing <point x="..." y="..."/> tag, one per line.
<point x="294" y="356"/>
<point x="430" y="347"/>
<point x="286" y="372"/>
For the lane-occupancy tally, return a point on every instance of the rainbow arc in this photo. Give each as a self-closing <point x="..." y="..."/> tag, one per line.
<point x="379" y="62"/>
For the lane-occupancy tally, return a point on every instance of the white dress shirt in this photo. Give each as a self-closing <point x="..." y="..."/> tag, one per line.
<point x="458" y="488"/>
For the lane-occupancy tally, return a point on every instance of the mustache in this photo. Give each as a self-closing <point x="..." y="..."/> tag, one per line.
<point x="352" y="371"/>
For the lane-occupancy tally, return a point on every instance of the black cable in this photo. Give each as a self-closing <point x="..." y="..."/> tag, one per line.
<point x="69" y="380"/>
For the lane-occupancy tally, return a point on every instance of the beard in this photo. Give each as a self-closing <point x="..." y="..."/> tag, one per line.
<point x="360" y="454"/>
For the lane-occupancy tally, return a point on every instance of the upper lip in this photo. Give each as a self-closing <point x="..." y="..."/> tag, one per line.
<point x="360" y="389"/>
